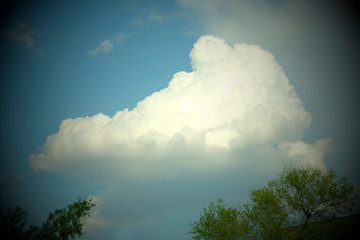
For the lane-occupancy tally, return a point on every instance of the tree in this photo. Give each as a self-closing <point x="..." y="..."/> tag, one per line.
<point x="298" y="196"/>
<point x="314" y="195"/>
<point x="12" y="222"/>
<point x="219" y="222"/>
<point x="266" y="213"/>
<point x="63" y="224"/>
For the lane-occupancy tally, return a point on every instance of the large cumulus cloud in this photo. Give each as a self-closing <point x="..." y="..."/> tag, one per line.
<point x="230" y="124"/>
<point x="235" y="98"/>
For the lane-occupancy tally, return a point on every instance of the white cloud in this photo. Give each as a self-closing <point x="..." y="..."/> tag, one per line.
<point x="236" y="115"/>
<point x="108" y="45"/>
<point x="235" y="97"/>
<point x="156" y="16"/>
<point x="104" y="47"/>
<point x="305" y="154"/>
<point x="22" y="35"/>
<point x="121" y="37"/>
<point x="152" y="15"/>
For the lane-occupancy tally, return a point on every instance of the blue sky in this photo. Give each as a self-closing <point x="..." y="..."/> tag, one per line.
<point x="258" y="85"/>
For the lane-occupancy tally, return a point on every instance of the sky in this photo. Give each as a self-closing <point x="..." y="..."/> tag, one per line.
<point x="155" y="108"/>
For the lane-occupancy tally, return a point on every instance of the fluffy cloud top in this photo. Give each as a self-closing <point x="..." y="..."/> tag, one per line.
<point x="236" y="98"/>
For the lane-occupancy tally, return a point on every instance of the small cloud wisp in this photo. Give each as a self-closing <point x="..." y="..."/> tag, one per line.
<point x="108" y="45"/>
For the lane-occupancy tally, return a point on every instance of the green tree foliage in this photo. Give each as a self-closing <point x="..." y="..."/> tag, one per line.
<point x="298" y="196"/>
<point x="219" y="222"/>
<point x="12" y="222"/>
<point x="266" y="213"/>
<point x="62" y="224"/>
<point x="315" y="195"/>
